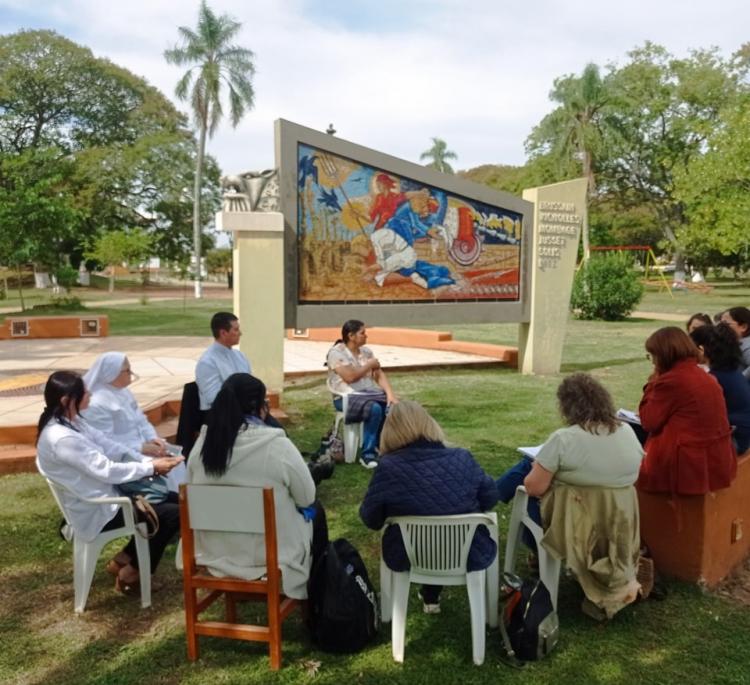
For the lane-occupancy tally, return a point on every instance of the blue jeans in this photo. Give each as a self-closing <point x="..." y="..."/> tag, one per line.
<point x="506" y="488"/>
<point x="371" y="428"/>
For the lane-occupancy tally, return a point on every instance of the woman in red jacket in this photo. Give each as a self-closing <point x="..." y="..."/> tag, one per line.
<point x="689" y="449"/>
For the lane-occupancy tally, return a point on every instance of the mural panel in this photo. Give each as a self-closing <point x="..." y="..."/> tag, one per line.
<point x="365" y="235"/>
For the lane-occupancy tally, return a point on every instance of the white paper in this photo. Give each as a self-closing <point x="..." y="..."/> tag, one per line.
<point x="531" y="451"/>
<point x="629" y="416"/>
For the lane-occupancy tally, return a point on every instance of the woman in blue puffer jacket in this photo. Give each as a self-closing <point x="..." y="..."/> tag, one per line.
<point x="419" y="476"/>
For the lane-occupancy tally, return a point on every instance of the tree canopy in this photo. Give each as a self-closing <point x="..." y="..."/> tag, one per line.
<point x="117" y="149"/>
<point x="659" y="139"/>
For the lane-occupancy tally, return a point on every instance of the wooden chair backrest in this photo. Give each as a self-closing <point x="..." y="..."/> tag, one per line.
<point x="227" y="509"/>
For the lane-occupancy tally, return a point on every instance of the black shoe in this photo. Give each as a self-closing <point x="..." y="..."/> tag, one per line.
<point x="658" y="592"/>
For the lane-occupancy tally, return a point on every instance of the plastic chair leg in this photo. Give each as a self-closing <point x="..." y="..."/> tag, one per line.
<point x="85" y="555"/>
<point x="475" y="586"/>
<point x="386" y="592"/>
<point x="492" y="588"/>
<point x="493" y="583"/>
<point x="400" y="596"/>
<point x="549" y="572"/>
<point x="514" y="531"/>
<point x="144" y="566"/>
<point x="352" y="439"/>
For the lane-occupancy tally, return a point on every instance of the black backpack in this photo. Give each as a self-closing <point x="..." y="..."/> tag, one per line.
<point x="530" y="626"/>
<point x="343" y="609"/>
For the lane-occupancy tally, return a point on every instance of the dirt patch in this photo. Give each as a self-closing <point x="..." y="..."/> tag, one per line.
<point x="737" y="586"/>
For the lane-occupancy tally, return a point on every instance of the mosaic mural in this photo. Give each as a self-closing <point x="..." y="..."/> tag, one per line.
<point x="367" y="235"/>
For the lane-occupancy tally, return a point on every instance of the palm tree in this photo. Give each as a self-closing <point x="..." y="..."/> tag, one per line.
<point x="572" y="133"/>
<point x="213" y="63"/>
<point x="439" y="153"/>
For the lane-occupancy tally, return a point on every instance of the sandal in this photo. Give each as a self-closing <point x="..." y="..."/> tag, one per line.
<point x="119" y="561"/>
<point x="128" y="580"/>
<point x="128" y="589"/>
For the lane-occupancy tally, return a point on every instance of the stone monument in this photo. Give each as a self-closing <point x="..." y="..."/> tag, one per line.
<point x="250" y="211"/>
<point x="560" y="212"/>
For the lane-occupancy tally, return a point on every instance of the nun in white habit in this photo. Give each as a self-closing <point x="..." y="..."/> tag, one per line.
<point x="115" y="412"/>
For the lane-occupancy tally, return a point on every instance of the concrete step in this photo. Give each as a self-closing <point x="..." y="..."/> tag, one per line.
<point x="17" y="459"/>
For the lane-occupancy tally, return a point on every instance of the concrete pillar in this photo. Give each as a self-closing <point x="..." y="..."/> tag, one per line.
<point x="559" y="213"/>
<point x="258" y="265"/>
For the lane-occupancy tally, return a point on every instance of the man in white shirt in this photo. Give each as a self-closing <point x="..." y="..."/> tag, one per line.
<point x="220" y="361"/>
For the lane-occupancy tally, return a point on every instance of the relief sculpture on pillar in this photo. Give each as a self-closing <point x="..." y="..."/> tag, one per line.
<point x="251" y="191"/>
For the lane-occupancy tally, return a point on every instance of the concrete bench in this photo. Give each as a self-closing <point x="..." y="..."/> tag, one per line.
<point x="699" y="538"/>
<point x="79" y="326"/>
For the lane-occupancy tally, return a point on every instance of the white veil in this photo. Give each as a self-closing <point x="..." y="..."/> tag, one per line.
<point x="104" y="370"/>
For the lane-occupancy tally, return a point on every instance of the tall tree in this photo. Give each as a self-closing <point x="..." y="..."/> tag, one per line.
<point x="439" y="154"/>
<point x="661" y="113"/>
<point x="213" y="61"/>
<point x="121" y="152"/>
<point x="715" y="190"/>
<point x="571" y="134"/>
<point x="36" y="215"/>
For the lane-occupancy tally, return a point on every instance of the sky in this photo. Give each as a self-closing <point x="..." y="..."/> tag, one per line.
<point x="391" y="75"/>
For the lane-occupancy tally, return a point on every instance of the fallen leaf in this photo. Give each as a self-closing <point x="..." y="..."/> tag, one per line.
<point x="310" y="666"/>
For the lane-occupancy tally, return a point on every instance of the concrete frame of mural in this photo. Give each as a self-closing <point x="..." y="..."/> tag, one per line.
<point x="300" y="316"/>
<point x="265" y="264"/>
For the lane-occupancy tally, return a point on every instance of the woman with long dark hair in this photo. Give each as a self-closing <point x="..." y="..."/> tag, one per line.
<point x="689" y="448"/>
<point x="720" y="349"/>
<point x="353" y="368"/>
<point x="738" y="319"/>
<point x="84" y="460"/>
<point x="237" y="448"/>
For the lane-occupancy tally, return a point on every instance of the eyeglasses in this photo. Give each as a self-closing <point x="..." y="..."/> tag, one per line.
<point x="649" y="357"/>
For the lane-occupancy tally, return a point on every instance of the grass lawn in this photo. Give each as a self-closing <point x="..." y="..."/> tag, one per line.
<point x="692" y="637"/>
<point x="189" y="316"/>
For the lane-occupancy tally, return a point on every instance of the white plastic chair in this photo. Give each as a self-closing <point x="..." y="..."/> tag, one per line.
<point x="353" y="432"/>
<point x="549" y="566"/>
<point x="85" y="554"/>
<point x="438" y="548"/>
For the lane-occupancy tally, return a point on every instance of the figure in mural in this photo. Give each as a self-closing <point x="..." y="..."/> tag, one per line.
<point x="397" y="239"/>
<point x="387" y="200"/>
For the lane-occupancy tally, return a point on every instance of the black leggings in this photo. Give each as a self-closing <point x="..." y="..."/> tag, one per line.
<point x="169" y="525"/>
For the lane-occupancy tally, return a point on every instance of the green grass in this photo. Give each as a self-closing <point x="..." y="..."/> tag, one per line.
<point x="692" y="637"/>
<point x="723" y="296"/>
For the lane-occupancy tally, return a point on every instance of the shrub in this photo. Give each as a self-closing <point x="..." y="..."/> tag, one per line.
<point x="67" y="277"/>
<point x="56" y="304"/>
<point x="606" y="287"/>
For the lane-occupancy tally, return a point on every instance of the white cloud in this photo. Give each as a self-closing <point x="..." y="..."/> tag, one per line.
<point x="476" y="73"/>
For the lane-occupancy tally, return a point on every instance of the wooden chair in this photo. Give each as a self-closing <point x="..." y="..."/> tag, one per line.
<point x="238" y="510"/>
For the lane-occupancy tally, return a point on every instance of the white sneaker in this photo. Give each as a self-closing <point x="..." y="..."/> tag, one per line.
<point x="369" y="463"/>
<point x="428" y="608"/>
